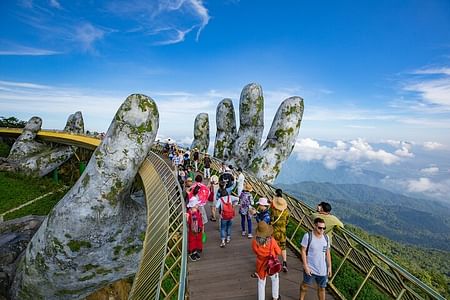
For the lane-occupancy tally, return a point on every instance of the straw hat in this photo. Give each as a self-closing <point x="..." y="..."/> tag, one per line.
<point x="264" y="230"/>
<point x="214" y="179"/>
<point x="248" y="187"/>
<point x="279" y="203"/>
<point x="263" y="201"/>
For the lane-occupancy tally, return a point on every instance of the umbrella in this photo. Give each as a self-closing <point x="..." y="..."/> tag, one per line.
<point x="202" y="195"/>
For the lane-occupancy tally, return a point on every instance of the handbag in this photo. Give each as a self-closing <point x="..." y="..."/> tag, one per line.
<point x="273" y="263"/>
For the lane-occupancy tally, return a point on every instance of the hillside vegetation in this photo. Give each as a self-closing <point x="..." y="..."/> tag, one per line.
<point x="384" y="217"/>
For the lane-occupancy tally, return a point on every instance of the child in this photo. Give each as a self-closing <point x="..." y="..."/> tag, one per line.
<point x="213" y="188"/>
<point x="262" y="212"/>
<point x="246" y="200"/>
<point x="263" y="246"/>
<point x="195" y="228"/>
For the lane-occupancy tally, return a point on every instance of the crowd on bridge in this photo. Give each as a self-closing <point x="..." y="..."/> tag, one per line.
<point x="225" y="194"/>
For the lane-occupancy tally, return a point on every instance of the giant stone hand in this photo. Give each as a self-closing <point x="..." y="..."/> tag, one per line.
<point x="243" y="148"/>
<point x="93" y="235"/>
<point x="36" y="158"/>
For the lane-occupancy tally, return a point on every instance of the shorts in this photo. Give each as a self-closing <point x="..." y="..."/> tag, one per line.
<point x="320" y="280"/>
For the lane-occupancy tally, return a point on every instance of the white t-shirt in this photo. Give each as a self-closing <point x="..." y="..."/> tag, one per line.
<point x="316" y="254"/>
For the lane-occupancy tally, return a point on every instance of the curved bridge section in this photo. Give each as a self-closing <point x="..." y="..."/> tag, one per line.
<point x="162" y="270"/>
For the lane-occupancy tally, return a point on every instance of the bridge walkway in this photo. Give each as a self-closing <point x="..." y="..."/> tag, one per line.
<point x="224" y="273"/>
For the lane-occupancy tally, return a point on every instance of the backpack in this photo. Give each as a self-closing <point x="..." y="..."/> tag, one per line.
<point x="274" y="265"/>
<point x="310" y="239"/>
<point x="227" y="209"/>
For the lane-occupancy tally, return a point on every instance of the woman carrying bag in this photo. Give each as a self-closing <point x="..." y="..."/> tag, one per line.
<point x="265" y="248"/>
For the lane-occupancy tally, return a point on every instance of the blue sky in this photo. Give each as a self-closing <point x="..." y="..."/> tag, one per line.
<point x="369" y="71"/>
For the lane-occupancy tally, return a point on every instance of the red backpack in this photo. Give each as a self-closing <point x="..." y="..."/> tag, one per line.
<point x="227" y="209"/>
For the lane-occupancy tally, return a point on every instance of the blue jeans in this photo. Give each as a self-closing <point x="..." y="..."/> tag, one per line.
<point x="249" y="222"/>
<point x="225" y="228"/>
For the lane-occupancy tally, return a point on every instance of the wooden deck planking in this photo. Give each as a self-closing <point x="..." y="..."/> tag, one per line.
<point x="224" y="273"/>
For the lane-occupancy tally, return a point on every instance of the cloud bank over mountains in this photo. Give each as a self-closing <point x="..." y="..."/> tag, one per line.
<point x="408" y="167"/>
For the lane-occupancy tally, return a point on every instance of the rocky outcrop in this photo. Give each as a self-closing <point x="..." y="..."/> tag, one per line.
<point x="266" y="163"/>
<point x="14" y="238"/>
<point x="201" y="133"/>
<point x="93" y="236"/>
<point x="225" y="129"/>
<point x="36" y="158"/>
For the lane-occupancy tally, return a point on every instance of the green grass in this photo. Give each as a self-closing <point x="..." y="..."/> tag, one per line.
<point x="16" y="189"/>
<point x="4" y="149"/>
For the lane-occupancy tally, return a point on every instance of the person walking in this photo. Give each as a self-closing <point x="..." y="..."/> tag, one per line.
<point x="195" y="227"/>
<point x="316" y="259"/>
<point x="226" y="204"/>
<point x="262" y="211"/>
<point x="195" y="157"/>
<point x="213" y="188"/>
<point x="245" y="202"/>
<point x="263" y="245"/>
<point x="279" y="217"/>
<point x="331" y="221"/>
<point x="206" y="166"/>
<point x="240" y="181"/>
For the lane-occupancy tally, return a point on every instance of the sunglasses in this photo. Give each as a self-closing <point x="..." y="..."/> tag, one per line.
<point x="321" y="228"/>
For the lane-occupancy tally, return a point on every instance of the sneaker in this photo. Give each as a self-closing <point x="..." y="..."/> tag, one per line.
<point x="243" y="233"/>
<point x="197" y="255"/>
<point x="285" y="268"/>
<point x="193" y="257"/>
<point x="250" y="235"/>
<point x="228" y="240"/>
<point x="222" y="244"/>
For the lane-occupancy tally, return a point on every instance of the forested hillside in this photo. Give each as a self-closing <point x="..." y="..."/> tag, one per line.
<point x="424" y="223"/>
<point x="391" y="223"/>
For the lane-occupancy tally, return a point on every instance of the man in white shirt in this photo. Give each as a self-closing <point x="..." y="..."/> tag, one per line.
<point x="240" y="182"/>
<point x="316" y="259"/>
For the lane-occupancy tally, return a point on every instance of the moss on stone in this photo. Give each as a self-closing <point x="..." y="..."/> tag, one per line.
<point x="75" y="245"/>
<point x="117" y="250"/>
<point x="68" y="236"/>
<point x="255" y="165"/>
<point x="85" y="180"/>
<point x="281" y="133"/>
<point x="87" y="277"/>
<point x="89" y="267"/>
<point x="132" y="249"/>
<point x="102" y="271"/>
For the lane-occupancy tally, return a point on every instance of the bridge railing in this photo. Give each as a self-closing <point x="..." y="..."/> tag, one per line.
<point x="390" y="279"/>
<point x="162" y="269"/>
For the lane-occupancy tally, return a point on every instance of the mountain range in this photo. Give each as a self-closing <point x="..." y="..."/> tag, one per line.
<point x="421" y="222"/>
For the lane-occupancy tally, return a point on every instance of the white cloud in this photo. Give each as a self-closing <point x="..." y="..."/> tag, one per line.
<point x="433" y="170"/>
<point x="87" y="34"/>
<point x="433" y="145"/>
<point x="55" y="4"/>
<point x="404" y="152"/>
<point x="27" y="51"/>
<point x="353" y="152"/>
<point x="419" y="186"/>
<point x="433" y="86"/>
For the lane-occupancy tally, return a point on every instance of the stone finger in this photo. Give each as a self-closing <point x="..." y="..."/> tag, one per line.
<point x="226" y="129"/>
<point x="201" y="132"/>
<point x="267" y="162"/>
<point x="251" y="127"/>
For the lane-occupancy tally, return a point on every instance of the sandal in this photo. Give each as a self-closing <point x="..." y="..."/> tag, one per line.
<point x="254" y="275"/>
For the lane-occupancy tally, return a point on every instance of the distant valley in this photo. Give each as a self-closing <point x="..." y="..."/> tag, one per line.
<point x="420" y="222"/>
